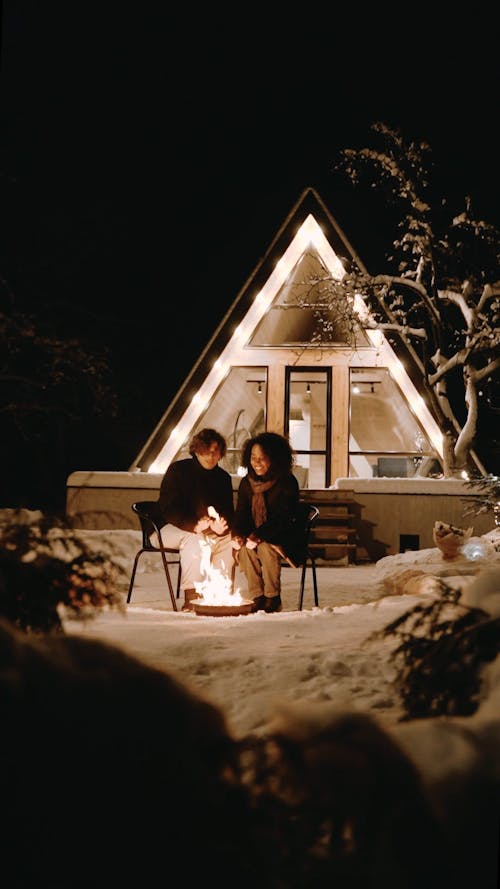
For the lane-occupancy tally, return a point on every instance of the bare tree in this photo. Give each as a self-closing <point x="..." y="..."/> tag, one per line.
<point x="51" y="389"/>
<point x="440" y="295"/>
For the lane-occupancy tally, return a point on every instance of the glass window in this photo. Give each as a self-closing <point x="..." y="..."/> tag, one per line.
<point x="309" y="309"/>
<point x="237" y="410"/>
<point x="386" y="438"/>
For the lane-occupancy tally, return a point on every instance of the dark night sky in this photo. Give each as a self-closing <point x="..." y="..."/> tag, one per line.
<point x="148" y="157"/>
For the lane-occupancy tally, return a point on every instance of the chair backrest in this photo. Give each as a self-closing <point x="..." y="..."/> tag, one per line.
<point x="149" y="516"/>
<point x="309" y="514"/>
<point x="305" y="516"/>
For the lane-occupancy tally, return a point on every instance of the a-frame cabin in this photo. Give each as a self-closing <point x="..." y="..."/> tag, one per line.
<point x="367" y="445"/>
<point x="351" y="409"/>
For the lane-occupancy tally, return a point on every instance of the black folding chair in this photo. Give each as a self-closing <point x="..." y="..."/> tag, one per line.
<point x="311" y="513"/>
<point x="307" y="514"/>
<point x="147" y="512"/>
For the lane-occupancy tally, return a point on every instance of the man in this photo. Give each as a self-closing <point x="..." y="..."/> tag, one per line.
<point x="189" y="487"/>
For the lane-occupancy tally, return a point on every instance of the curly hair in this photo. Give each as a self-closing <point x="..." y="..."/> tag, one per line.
<point x="200" y="443"/>
<point x="276" y="447"/>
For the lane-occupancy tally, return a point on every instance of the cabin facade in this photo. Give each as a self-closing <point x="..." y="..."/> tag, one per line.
<point x="350" y="404"/>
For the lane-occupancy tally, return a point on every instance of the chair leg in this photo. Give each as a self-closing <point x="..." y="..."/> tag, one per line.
<point x="169" y="582"/>
<point x="178" y="587"/>
<point x="315" y="582"/>
<point x="302" y="582"/>
<point x="134" y="569"/>
<point x="167" y="573"/>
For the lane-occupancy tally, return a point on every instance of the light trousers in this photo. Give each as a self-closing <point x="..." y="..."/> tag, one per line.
<point x="191" y="550"/>
<point x="262" y="569"/>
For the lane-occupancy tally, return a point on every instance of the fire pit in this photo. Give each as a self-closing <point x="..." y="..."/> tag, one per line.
<point x="216" y="591"/>
<point x="245" y="606"/>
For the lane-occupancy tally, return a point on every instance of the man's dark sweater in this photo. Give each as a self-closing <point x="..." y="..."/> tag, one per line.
<point x="187" y="490"/>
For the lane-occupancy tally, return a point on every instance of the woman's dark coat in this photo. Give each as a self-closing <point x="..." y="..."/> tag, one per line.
<point x="284" y="524"/>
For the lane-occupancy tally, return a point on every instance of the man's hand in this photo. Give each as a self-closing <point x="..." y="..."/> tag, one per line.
<point x="202" y="524"/>
<point x="237" y="542"/>
<point x="219" y="526"/>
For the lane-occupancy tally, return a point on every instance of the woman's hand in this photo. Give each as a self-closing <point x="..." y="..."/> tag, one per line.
<point x="237" y="542"/>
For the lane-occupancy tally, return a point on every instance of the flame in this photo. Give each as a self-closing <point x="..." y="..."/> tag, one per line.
<point x="216" y="587"/>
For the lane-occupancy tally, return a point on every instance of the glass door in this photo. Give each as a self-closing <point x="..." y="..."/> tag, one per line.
<point x="308" y="423"/>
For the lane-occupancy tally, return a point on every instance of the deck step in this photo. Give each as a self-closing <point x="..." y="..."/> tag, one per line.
<point x="335" y="512"/>
<point x="332" y="550"/>
<point x="328" y="532"/>
<point x="334" y="536"/>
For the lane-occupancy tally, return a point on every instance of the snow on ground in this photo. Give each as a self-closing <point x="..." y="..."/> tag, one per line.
<point x="250" y="664"/>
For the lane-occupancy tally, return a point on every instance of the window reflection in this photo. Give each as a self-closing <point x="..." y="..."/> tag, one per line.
<point x="237" y="411"/>
<point x="308" y="425"/>
<point x="385" y="438"/>
<point x="308" y="311"/>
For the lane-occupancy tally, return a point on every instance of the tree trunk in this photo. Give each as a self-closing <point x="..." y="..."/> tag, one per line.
<point x="449" y="469"/>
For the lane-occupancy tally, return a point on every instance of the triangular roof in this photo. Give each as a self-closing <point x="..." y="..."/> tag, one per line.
<point x="309" y="225"/>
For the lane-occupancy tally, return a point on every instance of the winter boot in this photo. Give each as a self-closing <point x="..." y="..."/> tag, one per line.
<point x="259" y="603"/>
<point x="273" y="603"/>
<point x="189" y="597"/>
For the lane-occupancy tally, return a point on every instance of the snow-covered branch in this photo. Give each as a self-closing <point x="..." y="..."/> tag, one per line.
<point x="489" y="292"/>
<point x="446" y="365"/>
<point x="458" y="300"/>
<point x="403" y="329"/>
<point x="482" y="373"/>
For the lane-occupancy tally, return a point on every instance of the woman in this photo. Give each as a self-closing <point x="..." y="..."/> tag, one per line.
<point x="266" y="527"/>
<point x="187" y="490"/>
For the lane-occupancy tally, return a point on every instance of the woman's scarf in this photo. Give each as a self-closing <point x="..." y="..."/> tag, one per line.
<point x="259" y="513"/>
